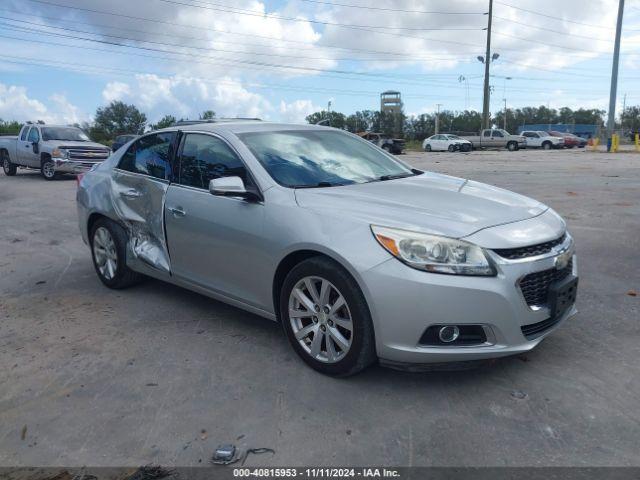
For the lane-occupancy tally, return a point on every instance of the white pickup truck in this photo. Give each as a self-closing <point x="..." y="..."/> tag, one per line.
<point x="496" y="138"/>
<point x="52" y="149"/>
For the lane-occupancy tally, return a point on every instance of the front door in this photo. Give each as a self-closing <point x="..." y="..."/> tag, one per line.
<point x="215" y="242"/>
<point x="140" y="184"/>
<point x="27" y="149"/>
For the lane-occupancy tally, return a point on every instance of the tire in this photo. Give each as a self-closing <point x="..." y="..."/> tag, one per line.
<point x="512" y="146"/>
<point x="48" y="169"/>
<point x="9" y="168"/>
<point x="427" y="148"/>
<point x="386" y="148"/>
<point x="546" y="145"/>
<point x="316" y="321"/>
<point x="451" y="148"/>
<point x="465" y="147"/>
<point x="111" y="238"/>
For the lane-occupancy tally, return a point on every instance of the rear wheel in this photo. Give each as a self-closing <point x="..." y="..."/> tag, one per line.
<point x="326" y="318"/>
<point x="512" y="146"/>
<point x="108" y="249"/>
<point x="48" y="168"/>
<point x="9" y="168"/>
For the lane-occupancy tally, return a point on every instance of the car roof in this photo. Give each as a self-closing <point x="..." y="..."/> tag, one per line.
<point x="243" y="126"/>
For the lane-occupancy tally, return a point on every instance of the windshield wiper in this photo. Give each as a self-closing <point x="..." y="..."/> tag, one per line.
<point x="382" y="178"/>
<point x="319" y="185"/>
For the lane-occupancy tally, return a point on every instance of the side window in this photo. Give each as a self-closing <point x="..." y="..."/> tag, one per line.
<point x="497" y="133"/>
<point x="150" y="156"/>
<point x="204" y="158"/>
<point x="486" y="133"/>
<point x="34" y="136"/>
<point x="23" y="135"/>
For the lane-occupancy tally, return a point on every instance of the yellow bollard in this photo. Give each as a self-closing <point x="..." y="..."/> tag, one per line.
<point x="615" y="142"/>
<point x="594" y="143"/>
<point x="638" y="142"/>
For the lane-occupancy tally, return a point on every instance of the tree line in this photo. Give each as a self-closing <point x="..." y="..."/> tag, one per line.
<point x="120" y="118"/>
<point x="418" y="127"/>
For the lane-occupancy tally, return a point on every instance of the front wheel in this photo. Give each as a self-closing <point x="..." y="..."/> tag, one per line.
<point x="546" y="146"/>
<point x="427" y="148"/>
<point x="326" y="318"/>
<point x="48" y="169"/>
<point x="452" y="148"/>
<point x="9" y="168"/>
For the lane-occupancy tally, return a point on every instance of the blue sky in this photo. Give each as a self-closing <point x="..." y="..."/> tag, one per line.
<point x="280" y="60"/>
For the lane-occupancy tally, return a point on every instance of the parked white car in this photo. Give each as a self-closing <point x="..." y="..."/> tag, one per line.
<point x="446" y="142"/>
<point x="540" y="139"/>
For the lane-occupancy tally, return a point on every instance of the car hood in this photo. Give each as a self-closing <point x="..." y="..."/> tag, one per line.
<point x="430" y="203"/>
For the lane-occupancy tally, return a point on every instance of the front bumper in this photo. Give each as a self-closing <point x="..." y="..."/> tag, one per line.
<point x="64" y="165"/>
<point x="404" y="302"/>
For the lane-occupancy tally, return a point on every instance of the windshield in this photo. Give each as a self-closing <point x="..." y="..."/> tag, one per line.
<point x="64" y="133"/>
<point x="454" y="137"/>
<point x="543" y="134"/>
<point x="312" y="158"/>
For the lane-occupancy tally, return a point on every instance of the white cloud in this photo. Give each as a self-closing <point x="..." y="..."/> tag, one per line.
<point x="187" y="97"/>
<point x="297" y="111"/>
<point x="16" y="104"/>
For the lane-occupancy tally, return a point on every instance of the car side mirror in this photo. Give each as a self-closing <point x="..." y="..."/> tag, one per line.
<point x="231" y="187"/>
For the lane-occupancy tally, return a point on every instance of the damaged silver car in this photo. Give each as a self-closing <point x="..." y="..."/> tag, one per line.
<point x="359" y="256"/>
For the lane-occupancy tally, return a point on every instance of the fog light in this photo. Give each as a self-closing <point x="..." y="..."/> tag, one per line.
<point x="449" y="333"/>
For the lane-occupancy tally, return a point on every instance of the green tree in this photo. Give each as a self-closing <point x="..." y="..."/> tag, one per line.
<point x="333" y="119"/>
<point x="164" y="122"/>
<point x="9" y="128"/>
<point x="208" y="115"/>
<point x="115" y="119"/>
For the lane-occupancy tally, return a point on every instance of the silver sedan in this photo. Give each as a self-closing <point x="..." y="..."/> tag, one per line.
<point x="358" y="256"/>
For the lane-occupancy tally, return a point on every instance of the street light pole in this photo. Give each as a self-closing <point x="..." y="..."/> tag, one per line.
<point x="487" y="58"/>
<point x="438" y="118"/>
<point x="611" y="120"/>
<point x="505" y="113"/>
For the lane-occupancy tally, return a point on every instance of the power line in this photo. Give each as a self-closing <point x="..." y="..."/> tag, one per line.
<point x="242" y="52"/>
<point x="555" y="45"/>
<point x="536" y="27"/>
<point x="552" y="17"/>
<point x="399" y="10"/>
<point x="242" y="11"/>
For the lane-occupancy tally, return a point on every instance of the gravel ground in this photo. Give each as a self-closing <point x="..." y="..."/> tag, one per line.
<point x="157" y="374"/>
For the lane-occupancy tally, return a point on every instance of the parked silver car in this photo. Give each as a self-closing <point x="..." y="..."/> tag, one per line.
<point x="359" y="256"/>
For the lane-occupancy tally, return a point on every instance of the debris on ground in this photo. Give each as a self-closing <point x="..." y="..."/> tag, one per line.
<point x="228" y="454"/>
<point x="519" y="395"/>
<point x="203" y="434"/>
<point x="41" y="282"/>
<point x="632" y="293"/>
<point x="23" y="433"/>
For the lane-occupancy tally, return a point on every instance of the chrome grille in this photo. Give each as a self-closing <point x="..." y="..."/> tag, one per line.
<point x="529" y="251"/>
<point x="535" y="286"/>
<point x="88" y="154"/>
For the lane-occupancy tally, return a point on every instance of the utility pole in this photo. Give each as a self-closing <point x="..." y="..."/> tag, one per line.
<point x="505" y="114"/>
<point x="611" y="120"/>
<point x="487" y="58"/>
<point x="438" y="118"/>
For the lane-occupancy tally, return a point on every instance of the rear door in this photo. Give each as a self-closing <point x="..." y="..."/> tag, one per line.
<point x="215" y="242"/>
<point x="140" y="182"/>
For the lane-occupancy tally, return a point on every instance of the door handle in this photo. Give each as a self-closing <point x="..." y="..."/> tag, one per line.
<point x="177" y="211"/>
<point x="131" y="193"/>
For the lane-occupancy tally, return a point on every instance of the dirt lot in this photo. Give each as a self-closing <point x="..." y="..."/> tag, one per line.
<point x="157" y="374"/>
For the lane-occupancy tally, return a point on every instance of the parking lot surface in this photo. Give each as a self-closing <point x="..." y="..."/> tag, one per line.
<point x="158" y="374"/>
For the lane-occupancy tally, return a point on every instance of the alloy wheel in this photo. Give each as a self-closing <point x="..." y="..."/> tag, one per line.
<point x="105" y="254"/>
<point x="48" y="169"/>
<point x="320" y="319"/>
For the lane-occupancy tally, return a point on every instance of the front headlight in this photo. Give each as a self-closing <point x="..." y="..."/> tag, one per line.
<point x="434" y="253"/>
<point x="59" y="153"/>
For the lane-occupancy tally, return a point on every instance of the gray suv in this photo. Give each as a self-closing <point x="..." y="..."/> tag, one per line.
<point x="52" y="149"/>
<point x="356" y="254"/>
